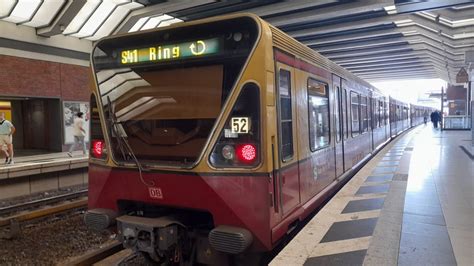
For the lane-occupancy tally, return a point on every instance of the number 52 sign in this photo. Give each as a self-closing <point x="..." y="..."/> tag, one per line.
<point x="240" y="125"/>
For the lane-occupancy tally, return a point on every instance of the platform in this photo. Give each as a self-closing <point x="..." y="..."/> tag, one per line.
<point x="38" y="173"/>
<point x="412" y="204"/>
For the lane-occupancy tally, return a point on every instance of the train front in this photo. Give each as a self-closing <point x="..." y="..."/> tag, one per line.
<point x="176" y="151"/>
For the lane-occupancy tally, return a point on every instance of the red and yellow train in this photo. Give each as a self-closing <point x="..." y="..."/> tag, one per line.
<point x="213" y="139"/>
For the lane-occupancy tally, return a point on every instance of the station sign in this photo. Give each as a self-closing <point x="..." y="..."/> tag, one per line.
<point x="165" y="52"/>
<point x="462" y="76"/>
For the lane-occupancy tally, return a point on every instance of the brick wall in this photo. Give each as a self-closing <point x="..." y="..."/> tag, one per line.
<point x="36" y="78"/>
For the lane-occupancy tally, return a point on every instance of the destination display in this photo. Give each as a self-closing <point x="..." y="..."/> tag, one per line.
<point x="165" y="52"/>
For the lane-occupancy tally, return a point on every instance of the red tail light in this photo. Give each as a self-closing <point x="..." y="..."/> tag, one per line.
<point x="97" y="148"/>
<point x="246" y="153"/>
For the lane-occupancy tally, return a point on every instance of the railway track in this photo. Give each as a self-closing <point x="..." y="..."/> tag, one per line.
<point x="110" y="254"/>
<point x="23" y="212"/>
<point x="41" y="202"/>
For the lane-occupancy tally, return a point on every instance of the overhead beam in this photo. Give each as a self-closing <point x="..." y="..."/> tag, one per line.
<point x="155" y="10"/>
<point x="64" y="17"/>
<point x="416" y="6"/>
<point x="328" y="13"/>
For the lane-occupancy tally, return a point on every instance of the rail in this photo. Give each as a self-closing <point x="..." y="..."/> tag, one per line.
<point x="14" y="221"/>
<point x="36" y="203"/>
<point x="97" y="255"/>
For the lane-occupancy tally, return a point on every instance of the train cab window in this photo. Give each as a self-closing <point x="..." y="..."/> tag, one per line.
<point x="355" y="109"/>
<point x="363" y="114"/>
<point x="286" y="120"/>
<point x="318" y="113"/>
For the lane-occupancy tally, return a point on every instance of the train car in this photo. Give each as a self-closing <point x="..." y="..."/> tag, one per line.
<point x="213" y="139"/>
<point x="381" y="126"/>
<point x="399" y="119"/>
<point x="419" y="114"/>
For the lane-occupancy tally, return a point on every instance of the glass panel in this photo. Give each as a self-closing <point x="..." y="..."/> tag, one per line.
<point x="104" y="10"/>
<point x="319" y="131"/>
<point x="164" y="111"/>
<point x="6" y="7"/>
<point x="155" y="21"/>
<point x="23" y="11"/>
<point x="337" y="114"/>
<point x="114" y="19"/>
<point x="169" y="22"/>
<point x="285" y="104"/>
<point x="139" y="24"/>
<point x="344" y="114"/>
<point x="284" y="89"/>
<point x="355" y="113"/>
<point x="45" y="13"/>
<point x="81" y="17"/>
<point x="284" y="83"/>
<point x="287" y="140"/>
<point x="363" y="114"/>
<point x="225" y="152"/>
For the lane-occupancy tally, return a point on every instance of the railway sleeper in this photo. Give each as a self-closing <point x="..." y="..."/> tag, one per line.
<point x="13" y="232"/>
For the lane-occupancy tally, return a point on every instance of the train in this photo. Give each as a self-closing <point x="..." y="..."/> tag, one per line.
<point x="211" y="140"/>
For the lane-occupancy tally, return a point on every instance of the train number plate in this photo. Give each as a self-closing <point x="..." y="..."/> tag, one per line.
<point x="155" y="193"/>
<point x="240" y="125"/>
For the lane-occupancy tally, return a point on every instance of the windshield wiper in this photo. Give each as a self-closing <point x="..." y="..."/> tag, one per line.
<point x="123" y="144"/>
<point x="113" y="125"/>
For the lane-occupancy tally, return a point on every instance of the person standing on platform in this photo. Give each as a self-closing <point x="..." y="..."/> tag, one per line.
<point x="5" y="151"/>
<point x="79" y="134"/>
<point x="6" y="132"/>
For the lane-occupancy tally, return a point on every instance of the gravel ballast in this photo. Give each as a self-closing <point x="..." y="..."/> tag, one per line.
<point x="51" y="242"/>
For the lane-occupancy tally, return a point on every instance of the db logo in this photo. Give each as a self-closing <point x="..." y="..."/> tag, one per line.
<point x="155" y="193"/>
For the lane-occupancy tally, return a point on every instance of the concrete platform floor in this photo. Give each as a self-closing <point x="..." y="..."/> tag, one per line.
<point x="412" y="204"/>
<point x="33" y="157"/>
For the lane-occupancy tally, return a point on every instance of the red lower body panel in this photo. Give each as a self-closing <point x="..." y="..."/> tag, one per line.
<point x="235" y="200"/>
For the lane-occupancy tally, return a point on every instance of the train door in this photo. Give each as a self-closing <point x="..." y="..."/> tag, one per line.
<point x="339" y="147"/>
<point x="288" y="174"/>
<point x="345" y="125"/>
<point x="373" y="120"/>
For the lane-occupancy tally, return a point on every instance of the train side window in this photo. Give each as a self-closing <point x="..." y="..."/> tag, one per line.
<point x="381" y="114"/>
<point x="363" y="114"/>
<point x="373" y="112"/>
<point x="318" y="115"/>
<point x="286" y="118"/>
<point x="355" y="125"/>
<point x="398" y="113"/>
<point x="344" y="114"/>
<point x="338" y="114"/>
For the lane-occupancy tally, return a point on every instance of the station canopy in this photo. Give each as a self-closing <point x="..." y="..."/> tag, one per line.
<point x="376" y="40"/>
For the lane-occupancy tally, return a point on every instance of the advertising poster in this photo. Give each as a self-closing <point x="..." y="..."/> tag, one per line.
<point x="70" y="109"/>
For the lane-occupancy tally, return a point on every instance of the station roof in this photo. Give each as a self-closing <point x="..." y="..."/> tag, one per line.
<point x="376" y="40"/>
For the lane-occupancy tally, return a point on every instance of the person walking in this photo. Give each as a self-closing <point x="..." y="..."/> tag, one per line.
<point x="79" y="134"/>
<point x="435" y="118"/>
<point x="6" y="132"/>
